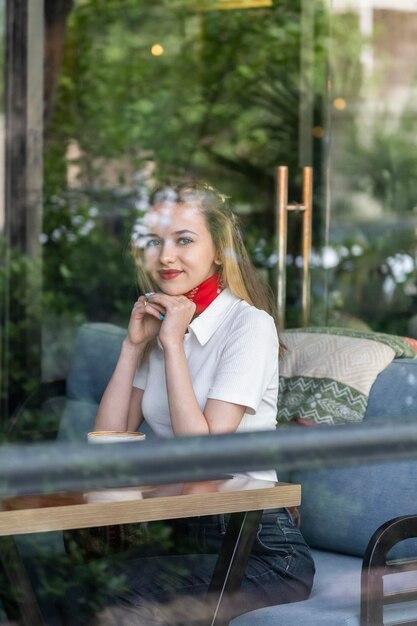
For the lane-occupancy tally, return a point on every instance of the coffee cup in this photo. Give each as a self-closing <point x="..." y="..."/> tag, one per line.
<point x="112" y="495"/>
<point x="114" y="436"/>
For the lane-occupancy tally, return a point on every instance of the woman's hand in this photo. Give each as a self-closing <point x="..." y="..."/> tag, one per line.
<point x="145" y="321"/>
<point x="178" y="311"/>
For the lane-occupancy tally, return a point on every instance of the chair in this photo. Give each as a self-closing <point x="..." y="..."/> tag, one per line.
<point x="375" y="597"/>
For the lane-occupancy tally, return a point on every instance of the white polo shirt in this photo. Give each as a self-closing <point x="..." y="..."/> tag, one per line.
<point x="232" y="354"/>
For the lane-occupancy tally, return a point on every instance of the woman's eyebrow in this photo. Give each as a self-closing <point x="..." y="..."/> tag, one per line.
<point x="177" y="232"/>
<point x="148" y="235"/>
<point x="184" y="230"/>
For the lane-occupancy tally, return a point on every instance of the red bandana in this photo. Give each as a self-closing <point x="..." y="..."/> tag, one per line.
<point x="204" y="294"/>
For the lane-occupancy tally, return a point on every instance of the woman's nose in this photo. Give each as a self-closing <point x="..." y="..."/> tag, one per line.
<point x="167" y="254"/>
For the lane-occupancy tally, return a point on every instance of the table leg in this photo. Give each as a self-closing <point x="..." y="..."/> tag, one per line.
<point x="233" y="558"/>
<point x="16" y="591"/>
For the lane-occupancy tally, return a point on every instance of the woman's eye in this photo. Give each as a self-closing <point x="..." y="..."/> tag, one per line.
<point x="152" y="242"/>
<point x="183" y="241"/>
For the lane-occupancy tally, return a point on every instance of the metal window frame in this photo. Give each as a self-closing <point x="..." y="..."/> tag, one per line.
<point x="26" y="469"/>
<point x="23" y="78"/>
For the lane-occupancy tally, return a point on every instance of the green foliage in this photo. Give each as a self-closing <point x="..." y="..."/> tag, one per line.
<point x="87" y="265"/>
<point x="196" y="106"/>
<point x="90" y="571"/>
<point x="221" y="101"/>
<point x="374" y="222"/>
<point x="20" y="319"/>
<point x="83" y="583"/>
<point x="384" y="164"/>
<point x="370" y="277"/>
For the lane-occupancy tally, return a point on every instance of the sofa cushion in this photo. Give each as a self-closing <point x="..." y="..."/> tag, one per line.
<point x="77" y="420"/>
<point x="96" y="351"/>
<point x="394" y="393"/>
<point x="326" y="378"/>
<point x="341" y="508"/>
<point x="95" y="355"/>
<point x="334" y="600"/>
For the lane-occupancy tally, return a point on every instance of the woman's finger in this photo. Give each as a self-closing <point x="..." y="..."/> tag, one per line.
<point x="157" y="306"/>
<point x="139" y="306"/>
<point x="169" y="302"/>
<point x="159" y="298"/>
<point x="157" y="312"/>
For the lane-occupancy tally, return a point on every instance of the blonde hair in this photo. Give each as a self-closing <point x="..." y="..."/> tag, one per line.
<point x="236" y="270"/>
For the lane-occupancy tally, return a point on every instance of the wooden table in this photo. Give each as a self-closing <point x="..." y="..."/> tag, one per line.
<point x="245" y="498"/>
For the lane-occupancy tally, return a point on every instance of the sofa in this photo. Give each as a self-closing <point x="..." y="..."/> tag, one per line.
<point x="341" y="508"/>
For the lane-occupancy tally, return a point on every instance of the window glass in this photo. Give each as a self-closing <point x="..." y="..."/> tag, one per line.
<point x="371" y="252"/>
<point x="100" y="101"/>
<point x="146" y="91"/>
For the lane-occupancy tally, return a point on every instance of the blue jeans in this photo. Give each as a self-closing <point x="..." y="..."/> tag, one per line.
<point x="172" y="589"/>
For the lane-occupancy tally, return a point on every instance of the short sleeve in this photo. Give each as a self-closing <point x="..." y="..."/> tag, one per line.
<point x="141" y="375"/>
<point x="248" y="364"/>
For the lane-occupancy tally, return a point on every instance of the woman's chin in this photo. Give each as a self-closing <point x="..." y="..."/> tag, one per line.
<point x="172" y="290"/>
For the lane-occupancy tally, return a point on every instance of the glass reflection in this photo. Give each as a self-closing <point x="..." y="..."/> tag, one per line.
<point x="373" y="167"/>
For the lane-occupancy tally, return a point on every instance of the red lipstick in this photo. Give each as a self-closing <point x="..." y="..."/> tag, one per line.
<point x="169" y="274"/>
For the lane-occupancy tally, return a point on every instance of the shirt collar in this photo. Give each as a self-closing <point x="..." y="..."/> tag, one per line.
<point x="205" y="325"/>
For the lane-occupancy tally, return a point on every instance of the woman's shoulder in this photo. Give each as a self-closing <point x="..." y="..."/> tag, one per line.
<point x="248" y="315"/>
<point x="252" y="312"/>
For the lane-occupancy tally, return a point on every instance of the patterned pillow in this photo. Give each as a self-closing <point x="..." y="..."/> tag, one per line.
<point x="326" y="377"/>
<point x="404" y="347"/>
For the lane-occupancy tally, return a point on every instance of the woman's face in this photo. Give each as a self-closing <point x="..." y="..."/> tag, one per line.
<point x="179" y="253"/>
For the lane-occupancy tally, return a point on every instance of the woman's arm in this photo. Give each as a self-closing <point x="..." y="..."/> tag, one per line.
<point x="121" y="405"/>
<point x="186" y="415"/>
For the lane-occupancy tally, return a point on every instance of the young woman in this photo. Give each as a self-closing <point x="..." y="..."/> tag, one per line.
<point x="201" y="357"/>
